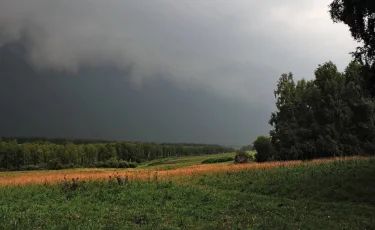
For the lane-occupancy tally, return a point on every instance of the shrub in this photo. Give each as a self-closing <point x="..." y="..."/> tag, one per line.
<point x="30" y="167"/>
<point x="133" y="164"/>
<point x="243" y="157"/>
<point x="54" y="164"/>
<point x="217" y="160"/>
<point x="101" y="164"/>
<point x="113" y="162"/>
<point x="263" y="147"/>
<point x="123" y="164"/>
<point x="67" y="166"/>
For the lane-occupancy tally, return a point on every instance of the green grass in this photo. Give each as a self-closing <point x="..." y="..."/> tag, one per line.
<point x="217" y="160"/>
<point x="178" y="162"/>
<point x="338" y="195"/>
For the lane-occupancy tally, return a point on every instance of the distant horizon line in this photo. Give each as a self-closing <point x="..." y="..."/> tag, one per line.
<point x="25" y="139"/>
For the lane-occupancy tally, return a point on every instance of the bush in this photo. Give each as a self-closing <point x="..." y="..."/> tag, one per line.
<point x="30" y="167"/>
<point x="123" y="164"/>
<point x="101" y="164"/>
<point x="54" y="164"/>
<point x="243" y="157"/>
<point x="113" y="162"/>
<point x="263" y="147"/>
<point x="68" y="166"/>
<point x="217" y="160"/>
<point x="133" y="164"/>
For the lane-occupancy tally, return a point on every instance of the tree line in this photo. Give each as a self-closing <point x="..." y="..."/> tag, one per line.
<point x="333" y="114"/>
<point x="42" y="154"/>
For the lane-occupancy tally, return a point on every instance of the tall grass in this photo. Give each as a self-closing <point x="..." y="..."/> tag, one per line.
<point x="323" y="194"/>
<point x="40" y="177"/>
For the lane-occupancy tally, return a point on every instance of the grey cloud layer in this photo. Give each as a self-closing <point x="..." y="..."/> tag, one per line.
<point x="234" y="48"/>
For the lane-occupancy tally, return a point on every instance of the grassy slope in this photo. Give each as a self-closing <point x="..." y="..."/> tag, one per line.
<point x="178" y="162"/>
<point x="337" y="195"/>
<point x="158" y="164"/>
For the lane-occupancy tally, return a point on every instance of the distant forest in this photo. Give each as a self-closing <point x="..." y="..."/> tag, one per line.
<point x="41" y="153"/>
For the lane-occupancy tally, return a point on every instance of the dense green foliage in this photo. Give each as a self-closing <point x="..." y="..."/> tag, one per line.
<point x="359" y="15"/>
<point x="331" y="115"/>
<point x="338" y="195"/>
<point x="217" y="160"/>
<point x="263" y="147"/>
<point x="244" y="156"/>
<point x="48" y="155"/>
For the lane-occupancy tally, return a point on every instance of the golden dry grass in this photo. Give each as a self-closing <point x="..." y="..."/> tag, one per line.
<point x="40" y="177"/>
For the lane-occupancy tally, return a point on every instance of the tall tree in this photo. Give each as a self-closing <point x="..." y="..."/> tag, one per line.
<point x="359" y="15"/>
<point x="361" y="127"/>
<point x="284" y="119"/>
<point x="331" y="115"/>
<point x="329" y="109"/>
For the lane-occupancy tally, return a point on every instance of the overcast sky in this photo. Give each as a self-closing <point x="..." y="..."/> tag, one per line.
<point x="232" y="50"/>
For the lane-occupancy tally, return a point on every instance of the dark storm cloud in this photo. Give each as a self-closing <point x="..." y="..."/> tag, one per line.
<point x="233" y="51"/>
<point x="192" y="41"/>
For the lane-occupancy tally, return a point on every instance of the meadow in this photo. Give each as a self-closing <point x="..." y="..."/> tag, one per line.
<point x="178" y="162"/>
<point x="319" y="194"/>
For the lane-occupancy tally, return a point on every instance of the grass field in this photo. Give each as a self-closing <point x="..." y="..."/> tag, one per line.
<point x="321" y="194"/>
<point x="178" y="162"/>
